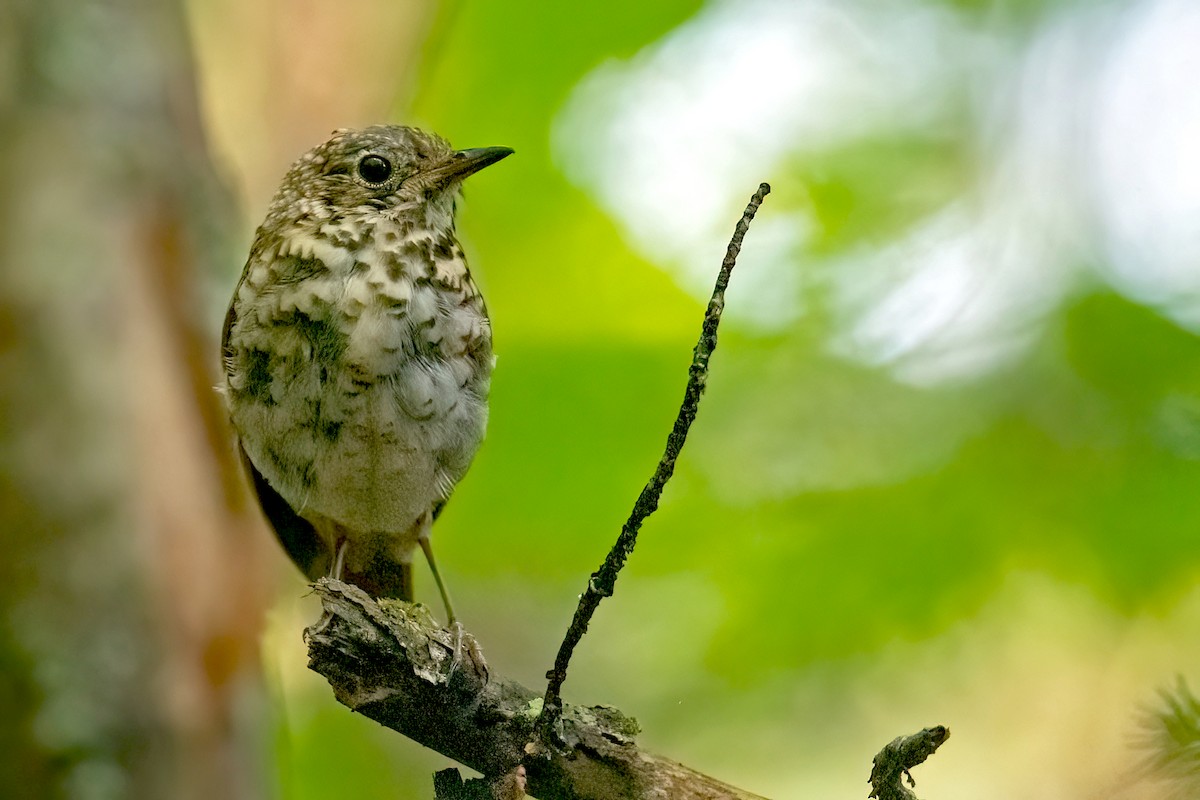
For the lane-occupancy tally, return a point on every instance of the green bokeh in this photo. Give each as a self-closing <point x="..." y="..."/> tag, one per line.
<point x="827" y="509"/>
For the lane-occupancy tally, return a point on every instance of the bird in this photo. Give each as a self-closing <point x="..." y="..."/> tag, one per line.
<point x="357" y="355"/>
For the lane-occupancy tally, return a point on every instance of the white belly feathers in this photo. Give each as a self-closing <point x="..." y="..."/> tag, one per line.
<point x="407" y="409"/>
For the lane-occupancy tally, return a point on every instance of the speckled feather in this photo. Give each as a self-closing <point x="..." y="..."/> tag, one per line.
<point x="358" y="352"/>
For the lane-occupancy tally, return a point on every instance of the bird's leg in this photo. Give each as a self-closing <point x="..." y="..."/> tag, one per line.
<point x="336" y="567"/>
<point x="427" y="548"/>
<point x="339" y="559"/>
<point x="452" y="621"/>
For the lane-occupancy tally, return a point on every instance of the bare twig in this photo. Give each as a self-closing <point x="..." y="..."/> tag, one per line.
<point x="603" y="581"/>
<point x="390" y="662"/>
<point x="898" y="757"/>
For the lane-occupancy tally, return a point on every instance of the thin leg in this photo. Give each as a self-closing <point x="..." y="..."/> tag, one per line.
<point x="336" y="568"/>
<point x="472" y="646"/>
<point x="437" y="577"/>
<point x="339" y="560"/>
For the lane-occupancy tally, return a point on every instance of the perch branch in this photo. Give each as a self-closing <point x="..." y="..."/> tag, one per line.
<point x="390" y="662"/>
<point x="603" y="581"/>
<point x="898" y="757"/>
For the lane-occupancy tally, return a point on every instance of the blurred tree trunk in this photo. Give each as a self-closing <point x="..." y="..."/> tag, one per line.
<point x="132" y="577"/>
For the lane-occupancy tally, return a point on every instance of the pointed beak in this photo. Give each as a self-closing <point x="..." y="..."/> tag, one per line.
<point x="466" y="162"/>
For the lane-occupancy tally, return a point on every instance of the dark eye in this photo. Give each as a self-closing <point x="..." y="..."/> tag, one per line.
<point x="374" y="169"/>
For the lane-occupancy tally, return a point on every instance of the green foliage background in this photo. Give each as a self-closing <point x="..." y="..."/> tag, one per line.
<point x="751" y="624"/>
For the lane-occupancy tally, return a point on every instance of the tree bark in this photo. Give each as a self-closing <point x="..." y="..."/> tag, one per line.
<point x="390" y="662"/>
<point x="134" y="574"/>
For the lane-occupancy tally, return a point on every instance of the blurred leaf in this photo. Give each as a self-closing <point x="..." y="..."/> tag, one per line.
<point x="1134" y="355"/>
<point x="873" y="190"/>
<point x="1172" y="740"/>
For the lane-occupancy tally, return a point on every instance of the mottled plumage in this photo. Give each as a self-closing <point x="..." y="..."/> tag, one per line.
<point x="358" y="353"/>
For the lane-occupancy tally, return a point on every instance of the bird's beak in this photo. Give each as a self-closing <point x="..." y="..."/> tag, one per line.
<point x="466" y="162"/>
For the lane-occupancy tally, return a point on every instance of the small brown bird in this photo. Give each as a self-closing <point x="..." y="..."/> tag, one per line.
<point x="358" y="354"/>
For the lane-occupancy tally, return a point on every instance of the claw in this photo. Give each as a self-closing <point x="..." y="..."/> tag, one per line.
<point x="473" y="651"/>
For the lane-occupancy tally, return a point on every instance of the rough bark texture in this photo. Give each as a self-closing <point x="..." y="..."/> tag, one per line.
<point x="894" y="761"/>
<point x="390" y="662"/>
<point x="127" y="643"/>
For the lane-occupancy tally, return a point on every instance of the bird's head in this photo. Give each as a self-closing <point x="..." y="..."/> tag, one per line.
<point x="390" y="169"/>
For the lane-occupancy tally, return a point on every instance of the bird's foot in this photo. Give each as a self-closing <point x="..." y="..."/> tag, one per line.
<point x="464" y="643"/>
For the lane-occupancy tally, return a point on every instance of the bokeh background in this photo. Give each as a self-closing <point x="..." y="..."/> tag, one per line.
<point x="947" y="469"/>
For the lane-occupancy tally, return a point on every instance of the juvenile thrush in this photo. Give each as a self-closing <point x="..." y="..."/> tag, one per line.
<point x="358" y="354"/>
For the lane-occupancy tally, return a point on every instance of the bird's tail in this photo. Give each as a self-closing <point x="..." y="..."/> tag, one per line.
<point x="384" y="577"/>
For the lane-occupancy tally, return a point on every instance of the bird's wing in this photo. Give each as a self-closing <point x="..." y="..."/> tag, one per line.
<point x="382" y="577"/>
<point x="297" y="535"/>
<point x="226" y="350"/>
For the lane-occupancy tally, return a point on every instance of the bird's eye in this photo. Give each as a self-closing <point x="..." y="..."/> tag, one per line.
<point x="374" y="169"/>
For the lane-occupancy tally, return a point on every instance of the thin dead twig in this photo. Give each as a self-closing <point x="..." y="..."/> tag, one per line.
<point x="899" y="756"/>
<point x="603" y="581"/>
